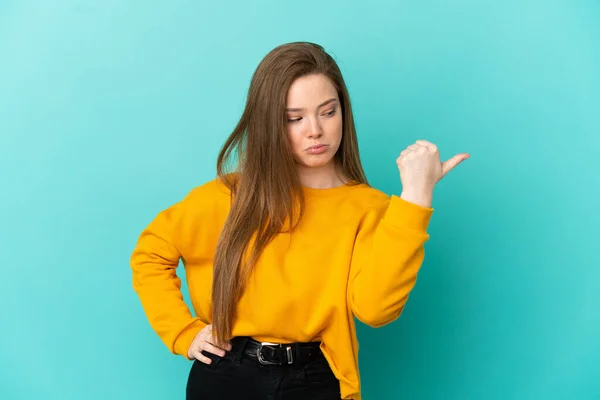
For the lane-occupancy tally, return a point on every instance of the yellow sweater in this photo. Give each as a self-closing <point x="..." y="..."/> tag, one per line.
<point x="356" y="252"/>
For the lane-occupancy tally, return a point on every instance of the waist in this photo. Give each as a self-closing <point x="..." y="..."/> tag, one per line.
<point x="268" y="353"/>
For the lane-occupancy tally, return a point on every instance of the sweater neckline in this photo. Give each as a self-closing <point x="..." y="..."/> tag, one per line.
<point x="329" y="191"/>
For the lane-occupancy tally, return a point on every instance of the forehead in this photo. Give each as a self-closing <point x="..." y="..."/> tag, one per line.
<point x="310" y="91"/>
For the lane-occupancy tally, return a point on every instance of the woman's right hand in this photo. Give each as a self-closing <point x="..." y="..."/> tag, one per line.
<point x="204" y="341"/>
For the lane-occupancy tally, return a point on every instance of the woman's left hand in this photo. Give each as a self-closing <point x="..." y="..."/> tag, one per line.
<point x="421" y="169"/>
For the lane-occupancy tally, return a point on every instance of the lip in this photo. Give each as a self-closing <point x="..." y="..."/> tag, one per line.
<point x="316" y="146"/>
<point x="317" y="149"/>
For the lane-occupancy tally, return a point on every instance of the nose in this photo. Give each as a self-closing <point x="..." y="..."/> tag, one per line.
<point x="315" y="129"/>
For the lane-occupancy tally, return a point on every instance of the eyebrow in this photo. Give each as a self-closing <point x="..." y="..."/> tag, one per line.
<point x="320" y="105"/>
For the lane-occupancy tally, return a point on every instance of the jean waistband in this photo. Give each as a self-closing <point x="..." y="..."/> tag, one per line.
<point x="268" y="353"/>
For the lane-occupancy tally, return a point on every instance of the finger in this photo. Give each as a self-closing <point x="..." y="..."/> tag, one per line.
<point x="211" y="339"/>
<point x="200" y="357"/>
<point x="226" y="347"/>
<point x="448" y="165"/>
<point x="408" y="151"/>
<point x="420" y="148"/>
<point x="211" y="348"/>
<point x="427" y="144"/>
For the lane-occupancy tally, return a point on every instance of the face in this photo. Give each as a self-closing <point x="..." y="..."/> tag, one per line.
<point x="314" y="117"/>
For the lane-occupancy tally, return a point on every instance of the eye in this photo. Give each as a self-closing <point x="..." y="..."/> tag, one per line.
<point x="330" y="113"/>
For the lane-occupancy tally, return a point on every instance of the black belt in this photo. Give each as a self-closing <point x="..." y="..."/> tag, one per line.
<point x="278" y="353"/>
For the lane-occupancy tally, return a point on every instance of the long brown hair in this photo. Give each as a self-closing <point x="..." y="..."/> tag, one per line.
<point x="265" y="188"/>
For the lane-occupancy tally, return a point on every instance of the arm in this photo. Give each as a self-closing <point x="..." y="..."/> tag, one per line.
<point x="387" y="255"/>
<point x="389" y="250"/>
<point x="153" y="263"/>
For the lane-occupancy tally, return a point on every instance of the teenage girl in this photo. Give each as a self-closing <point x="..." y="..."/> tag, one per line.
<point x="285" y="248"/>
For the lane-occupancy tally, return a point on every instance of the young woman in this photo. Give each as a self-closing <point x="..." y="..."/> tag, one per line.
<point x="282" y="251"/>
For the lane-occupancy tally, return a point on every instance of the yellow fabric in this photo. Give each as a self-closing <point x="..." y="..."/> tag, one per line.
<point x="356" y="252"/>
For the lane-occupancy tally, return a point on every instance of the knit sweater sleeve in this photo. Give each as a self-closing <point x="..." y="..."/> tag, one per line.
<point x="386" y="258"/>
<point x="153" y="263"/>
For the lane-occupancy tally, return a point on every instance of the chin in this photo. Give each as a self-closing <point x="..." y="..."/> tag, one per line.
<point x="314" y="163"/>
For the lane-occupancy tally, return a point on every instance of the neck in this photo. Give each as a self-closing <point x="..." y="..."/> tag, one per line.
<point x="324" y="177"/>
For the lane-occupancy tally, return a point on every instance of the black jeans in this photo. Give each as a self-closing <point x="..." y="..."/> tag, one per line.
<point x="237" y="376"/>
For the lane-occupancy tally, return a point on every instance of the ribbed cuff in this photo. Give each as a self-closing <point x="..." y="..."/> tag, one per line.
<point x="407" y="215"/>
<point x="186" y="337"/>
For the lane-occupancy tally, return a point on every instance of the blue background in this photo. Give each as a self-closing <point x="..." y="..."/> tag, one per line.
<point x="110" y="111"/>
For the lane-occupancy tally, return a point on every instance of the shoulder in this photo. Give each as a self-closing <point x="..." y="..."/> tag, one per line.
<point x="209" y="198"/>
<point x="209" y="191"/>
<point x="368" y="197"/>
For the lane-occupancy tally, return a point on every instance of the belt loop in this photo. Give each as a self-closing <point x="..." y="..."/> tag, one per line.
<point x="238" y="345"/>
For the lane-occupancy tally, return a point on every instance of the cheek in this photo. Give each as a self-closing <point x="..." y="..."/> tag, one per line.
<point x="336" y="128"/>
<point x="294" y="137"/>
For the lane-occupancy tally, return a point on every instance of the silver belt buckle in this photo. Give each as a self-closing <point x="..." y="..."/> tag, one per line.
<point x="288" y="349"/>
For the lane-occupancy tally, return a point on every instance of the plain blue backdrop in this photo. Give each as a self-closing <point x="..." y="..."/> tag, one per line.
<point x="110" y="111"/>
